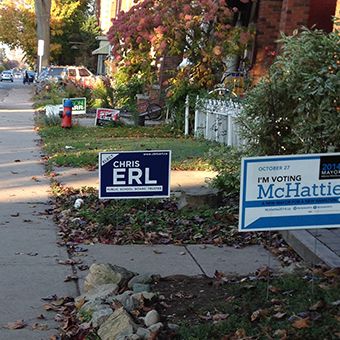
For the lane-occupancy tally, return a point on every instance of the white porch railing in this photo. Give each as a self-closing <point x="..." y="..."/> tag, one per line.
<point x="215" y="121"/>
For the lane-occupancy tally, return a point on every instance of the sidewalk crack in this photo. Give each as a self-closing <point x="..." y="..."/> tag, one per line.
<point x="192" y="256"/>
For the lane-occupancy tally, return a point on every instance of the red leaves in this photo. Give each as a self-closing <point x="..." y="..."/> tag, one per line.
<point x="301" y="323"/>
<point x="259" y="314"/>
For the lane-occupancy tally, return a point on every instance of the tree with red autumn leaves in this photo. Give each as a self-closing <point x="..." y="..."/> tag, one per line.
<point x="201" y="30"/>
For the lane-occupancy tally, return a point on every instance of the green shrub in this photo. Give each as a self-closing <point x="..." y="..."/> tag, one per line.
<point x="295" y="108"/>
<point x="102" y="94"/>
<point x="180" y="88"/>
<point x="53" y="94"/>
<point x="126" y="87"/>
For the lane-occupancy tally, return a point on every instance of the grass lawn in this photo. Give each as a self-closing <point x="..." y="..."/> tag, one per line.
<point x="79" y="146"/>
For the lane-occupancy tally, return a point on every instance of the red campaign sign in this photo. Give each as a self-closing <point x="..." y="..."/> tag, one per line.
<point x="111" y="115"/>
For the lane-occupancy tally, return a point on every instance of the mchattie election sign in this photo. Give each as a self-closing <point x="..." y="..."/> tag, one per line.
<point x="290" y="192"/>
<point x="134" y="174"/>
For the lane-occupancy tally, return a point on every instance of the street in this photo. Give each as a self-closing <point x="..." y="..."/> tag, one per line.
<point x="28" y="236"/>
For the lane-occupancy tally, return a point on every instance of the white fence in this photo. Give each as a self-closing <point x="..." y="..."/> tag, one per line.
<point x="215" y="121"/>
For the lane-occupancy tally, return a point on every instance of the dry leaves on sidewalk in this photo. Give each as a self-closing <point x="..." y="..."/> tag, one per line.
<point x="19" y="324"/>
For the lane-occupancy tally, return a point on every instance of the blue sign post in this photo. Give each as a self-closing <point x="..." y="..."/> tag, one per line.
<point x="134" y="174"/>
<point x="290" y="192"/>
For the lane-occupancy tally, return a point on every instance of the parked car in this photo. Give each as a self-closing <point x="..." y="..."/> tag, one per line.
<point x="51" y="74"/>
<point x="6" y="75"/>
<point x="79" y="75"/>
<point x="17" y="74"/>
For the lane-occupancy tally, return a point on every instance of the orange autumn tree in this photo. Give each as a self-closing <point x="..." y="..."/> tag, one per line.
<point x="201" y="30"/>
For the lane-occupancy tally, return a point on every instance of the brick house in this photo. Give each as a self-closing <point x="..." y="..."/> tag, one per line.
<point x="269" y="17"/>
<point x="276" y="16"/>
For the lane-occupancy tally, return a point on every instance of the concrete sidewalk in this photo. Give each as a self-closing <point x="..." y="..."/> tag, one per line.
<point x="192" y="260"/>
<point x="316" y="246"/>
<point x="28" y="236"/>
<point x="170" y="259"/>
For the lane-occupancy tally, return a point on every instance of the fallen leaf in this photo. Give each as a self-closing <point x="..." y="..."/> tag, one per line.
<point x="279" y="315"/>
<point x="69" y="278"/>
<point x="58" y="302"/>
<point x="324" y="286"/>
<point x="35" y="179"/>
<point x="83" y="267"/>
<point x="14" y="172"/>
<point x="19" y="324"/>
<point x="205" y="317"/>
<point x="331" y="273"/>
<point x="85" y="326"/>
<point x="256" y="315"/>
<point x="281" y="333"/>
<point x="32" y="254"/>
<point x="40" y="326"/>
<point x="59" y="318"/>
<point x="301" y="323"/>
<point x="157" y="252"/>
<point x="249" y="287"/>
<point x="276" y="302"/>
<point x="70" y="262"/>
<point x="41" y="317"/>
<point x="50" y="297"/>
<point x="318" y="305"/>
<point x="49" y="307"/>
<point x="220" y="316"/>
<point x="274" y="290"/>
<point x="79" y="303"/>
<point x="15" y="215"/>
<point x="240" y="333"/>
<point x="263" y="272"/>
<point x="218" y="275"/>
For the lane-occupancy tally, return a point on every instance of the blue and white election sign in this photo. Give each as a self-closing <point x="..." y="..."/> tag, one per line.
<point x="134" y="174"/>
<point x="290" y="192"/>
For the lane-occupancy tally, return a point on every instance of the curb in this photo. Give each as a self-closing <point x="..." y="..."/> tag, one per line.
<point x="310" y="248"/>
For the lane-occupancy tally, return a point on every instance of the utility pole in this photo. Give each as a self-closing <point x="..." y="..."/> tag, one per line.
<point x="43" y="15"/>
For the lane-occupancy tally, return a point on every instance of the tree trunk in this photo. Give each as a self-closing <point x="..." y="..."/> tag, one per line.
<point x="43" y="15"/>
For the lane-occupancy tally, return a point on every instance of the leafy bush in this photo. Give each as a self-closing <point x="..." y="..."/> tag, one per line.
<point x="126" y="87"/>
<point x="50" y="95"/>
<point x="53" y="94"/>
<point x="102" y="93"/>
<point x="180" y="87"/>
<point x="295" y="108"/>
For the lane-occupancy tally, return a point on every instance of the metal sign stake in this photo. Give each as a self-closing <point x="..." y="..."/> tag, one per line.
<point x="268" y="263"/>
<point x="314" y="261"/>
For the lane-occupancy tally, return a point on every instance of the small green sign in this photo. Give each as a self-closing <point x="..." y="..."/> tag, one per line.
<point x="79" y="105"/>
